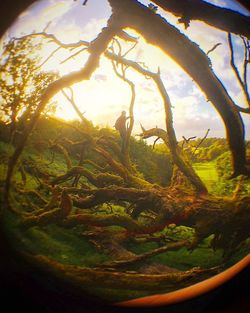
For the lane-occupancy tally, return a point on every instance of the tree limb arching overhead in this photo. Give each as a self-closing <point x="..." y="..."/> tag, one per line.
<point x="96" y="48"/>
<point x="221" y="18"/>
<point x="195" y="63"/>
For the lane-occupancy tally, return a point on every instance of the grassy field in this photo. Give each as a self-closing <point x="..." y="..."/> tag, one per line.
<point x="208" y="173"/>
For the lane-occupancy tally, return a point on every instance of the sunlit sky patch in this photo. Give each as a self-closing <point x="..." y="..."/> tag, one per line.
<point x="104" y="96"/>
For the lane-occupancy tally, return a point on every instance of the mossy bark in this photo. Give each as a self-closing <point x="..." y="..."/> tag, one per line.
<point x="92" y="277"/>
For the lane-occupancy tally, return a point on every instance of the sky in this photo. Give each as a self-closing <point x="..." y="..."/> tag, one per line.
<point x="104" y="96"/>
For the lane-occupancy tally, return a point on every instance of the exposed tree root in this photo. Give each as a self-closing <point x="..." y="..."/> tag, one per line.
<point x="93" y="277"/>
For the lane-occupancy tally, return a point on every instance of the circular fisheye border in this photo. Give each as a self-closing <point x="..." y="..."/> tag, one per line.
<point x="9" y="11"/>
<point x="190" y="292"/>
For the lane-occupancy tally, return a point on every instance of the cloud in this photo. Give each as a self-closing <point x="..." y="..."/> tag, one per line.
<point x="93" y="28"/>
<point x="68" y="32"/>
<point x="57" y="9"/>
<point x="100" y="77"/>
<point x="37" y="17"/>
<point x="73" y="32"/>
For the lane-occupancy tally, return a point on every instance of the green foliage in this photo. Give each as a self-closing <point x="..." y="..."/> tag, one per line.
<point x="227" y="186"/>
<point x="209" y="150"/>
<point x="63" y="245"/>
<point x="155" y="164"/>
<point x="216" y="175"/>
<point x="21" y="81"/>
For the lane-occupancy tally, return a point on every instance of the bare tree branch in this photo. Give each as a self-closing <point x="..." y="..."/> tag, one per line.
<point x="126" y="37"/>
<point x="53" y="38"/>
<point x="241" y="82"/>
<point x="201" y="141"/>
<point x="246" y="60"/>
<point x="73" y="55"/>
<point x="72" y="101"/>
<point x="186" y="140"/>
<point x="221" y="18"/>
<point x="213" y="48"/>
<point x="127" y="52"/>
<point x="142" y="257"/>
<point x="49" y="57"/>
<point x="155" y="141"/>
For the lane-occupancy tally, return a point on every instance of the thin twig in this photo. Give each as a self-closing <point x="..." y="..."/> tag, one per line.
<point x="246" y="60"/>
<point x="47" y="26"/>
<point x="158" y="138"/>
<point x="201" y="141"/>
<point x="73" y="55"/>
<point x="49" y="57"/>
<point x="53" y="38"/>
<point x="119" y="46"/>
<point x="234" y="67"/>
<point x="72" y="101"/>
<point x="213" y="48"/>
<point x="130" y="49"/>
<point x="186" y="140"/>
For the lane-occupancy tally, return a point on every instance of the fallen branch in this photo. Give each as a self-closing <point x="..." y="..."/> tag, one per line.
<point x="98" y="180"/>
<point x="142" y="257"/>
<point x="91" y="277"/>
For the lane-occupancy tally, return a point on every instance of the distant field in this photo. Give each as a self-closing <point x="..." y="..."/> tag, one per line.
<point x="207" y="172"/>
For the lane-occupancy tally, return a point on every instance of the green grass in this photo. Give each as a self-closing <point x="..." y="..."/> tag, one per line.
<point x="184" y="259"/>
<point x="62" y="245"/>
<point x="217" y="184"/>
<point x="208" y="173"/>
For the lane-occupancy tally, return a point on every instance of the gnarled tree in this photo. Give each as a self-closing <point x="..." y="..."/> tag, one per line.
<point x="147" y="209"/>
